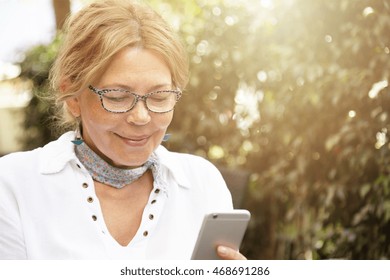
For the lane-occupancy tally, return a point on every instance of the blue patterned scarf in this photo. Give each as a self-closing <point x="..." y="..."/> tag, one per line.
<point x="105" y="173"/>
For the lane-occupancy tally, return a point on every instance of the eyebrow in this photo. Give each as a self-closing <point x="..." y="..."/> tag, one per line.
<point x="131" y="89"/>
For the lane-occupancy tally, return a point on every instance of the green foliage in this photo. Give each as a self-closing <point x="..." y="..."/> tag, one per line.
<point x="321" y="178"/>
<point x="296" y="92"/>
<point x="38" y="122"/>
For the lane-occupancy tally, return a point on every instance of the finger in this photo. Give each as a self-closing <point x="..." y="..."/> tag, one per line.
<point x="227" y="253"/>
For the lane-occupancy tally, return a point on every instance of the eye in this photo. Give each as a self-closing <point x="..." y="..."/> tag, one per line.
<point x="117" y="99"/>
<point x="160" y="96"/>
<point x="157" y="99"/>
<point x="118" y="96"/>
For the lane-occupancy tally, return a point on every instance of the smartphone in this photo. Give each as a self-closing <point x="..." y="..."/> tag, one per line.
<point x="224" y="228"/>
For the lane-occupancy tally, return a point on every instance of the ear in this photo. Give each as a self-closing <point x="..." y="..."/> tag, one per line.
<point x="72" y="102"/>
<point x="73" y="105"/>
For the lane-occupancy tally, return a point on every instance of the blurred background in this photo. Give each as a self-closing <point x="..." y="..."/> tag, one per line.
<point x="289" y="98"/>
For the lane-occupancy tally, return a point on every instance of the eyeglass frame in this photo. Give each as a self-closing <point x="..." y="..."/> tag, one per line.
<point x="178" y="93"/>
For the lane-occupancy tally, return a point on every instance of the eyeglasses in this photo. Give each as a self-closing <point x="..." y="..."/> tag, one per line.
<point x="122" y="101"/>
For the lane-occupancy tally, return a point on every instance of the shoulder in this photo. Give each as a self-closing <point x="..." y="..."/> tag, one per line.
<point x="200" y="176"/>
<point x="203" y="178"/>
<point x="18" y="170"/>
<point x="197" y="174"/>
<point x="19" y="160"/>
<point x="192" y="163"/>
<point x="35" y="161"/>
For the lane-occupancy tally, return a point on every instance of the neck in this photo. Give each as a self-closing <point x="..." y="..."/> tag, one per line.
<point x="103" y="172"/>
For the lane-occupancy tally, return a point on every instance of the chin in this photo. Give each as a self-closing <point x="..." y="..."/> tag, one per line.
<point x="130" y="162"/>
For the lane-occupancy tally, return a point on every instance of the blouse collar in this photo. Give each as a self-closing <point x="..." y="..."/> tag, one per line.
<point x="55" y="155"/>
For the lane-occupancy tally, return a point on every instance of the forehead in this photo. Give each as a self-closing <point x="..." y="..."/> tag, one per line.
<point x="136" y="68"/>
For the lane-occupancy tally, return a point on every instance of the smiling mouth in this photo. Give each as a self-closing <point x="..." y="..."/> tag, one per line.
<point x="135" y="141"/>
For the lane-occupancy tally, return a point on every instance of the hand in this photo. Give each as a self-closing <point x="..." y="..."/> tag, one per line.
<point x="227" y="253"/>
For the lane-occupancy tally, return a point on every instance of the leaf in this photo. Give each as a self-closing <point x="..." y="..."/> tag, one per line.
<point x="332" y="141"/>
<point x="364" y="190"/>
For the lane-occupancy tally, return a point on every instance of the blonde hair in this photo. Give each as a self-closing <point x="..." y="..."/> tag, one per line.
<point x="99" y="31"/>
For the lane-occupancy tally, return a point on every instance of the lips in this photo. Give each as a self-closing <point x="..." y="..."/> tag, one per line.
<point x="135" y="141"/>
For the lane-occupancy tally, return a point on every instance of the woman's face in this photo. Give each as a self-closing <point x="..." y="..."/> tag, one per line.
<point x="125" y="139"/>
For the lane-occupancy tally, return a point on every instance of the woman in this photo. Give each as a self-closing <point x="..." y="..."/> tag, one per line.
<point x="109" y="190"/>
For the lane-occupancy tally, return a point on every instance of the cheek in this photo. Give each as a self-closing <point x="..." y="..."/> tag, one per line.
<point x="164" y="120"/>
<point x="94" y="117"/>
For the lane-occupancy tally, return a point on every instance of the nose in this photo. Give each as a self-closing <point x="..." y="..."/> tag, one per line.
<point x="139" y="115"/>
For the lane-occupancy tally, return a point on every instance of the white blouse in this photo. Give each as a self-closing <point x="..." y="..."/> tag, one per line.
<point x="49" y="208"/>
